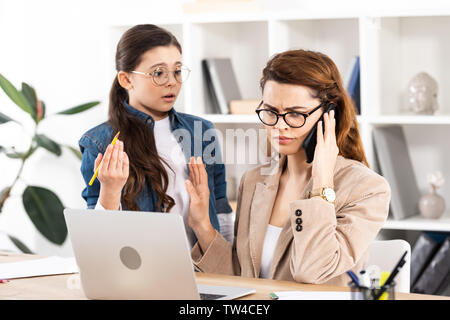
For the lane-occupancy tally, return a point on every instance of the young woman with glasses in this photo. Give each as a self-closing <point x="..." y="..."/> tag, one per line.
<point x="305" y="222"/>
<point x="146" y="168"/>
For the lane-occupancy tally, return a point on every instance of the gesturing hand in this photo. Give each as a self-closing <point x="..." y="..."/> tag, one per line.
<point x="326" y="152"/>
<point x="113" y="175"/>
<point x="197" y="187"/>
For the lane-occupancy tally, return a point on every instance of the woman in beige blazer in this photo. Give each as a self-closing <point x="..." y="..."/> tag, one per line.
<point x="305" y="222"/>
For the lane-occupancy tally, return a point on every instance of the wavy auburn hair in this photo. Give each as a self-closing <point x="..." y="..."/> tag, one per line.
<point x="317" y="71"/>
<point x="139" y="140"/>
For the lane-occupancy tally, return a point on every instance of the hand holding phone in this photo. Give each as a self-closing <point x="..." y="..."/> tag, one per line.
<point x="310" y="142"/>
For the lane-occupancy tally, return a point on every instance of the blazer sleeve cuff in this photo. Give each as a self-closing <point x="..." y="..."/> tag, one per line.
<point x="212" y="259"/>
<point x="312" y="214"/>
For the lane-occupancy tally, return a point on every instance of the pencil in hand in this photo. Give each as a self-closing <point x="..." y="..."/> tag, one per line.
<point x="98" y="167"/>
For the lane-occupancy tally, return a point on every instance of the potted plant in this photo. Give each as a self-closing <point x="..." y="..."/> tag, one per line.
<point x="42" y="205"/>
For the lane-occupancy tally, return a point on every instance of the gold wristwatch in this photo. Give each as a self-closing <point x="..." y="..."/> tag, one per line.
<point x="325" y="193"/>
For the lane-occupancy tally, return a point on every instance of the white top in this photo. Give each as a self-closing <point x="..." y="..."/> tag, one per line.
<point x="270" y="242"/>
<point x="169" y="150"/>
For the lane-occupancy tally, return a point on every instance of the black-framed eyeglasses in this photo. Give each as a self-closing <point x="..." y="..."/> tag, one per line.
<point x="293" y="119"/>
<point x="160" y="75"/>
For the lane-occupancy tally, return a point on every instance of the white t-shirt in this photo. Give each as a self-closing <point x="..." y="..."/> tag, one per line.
<point x="270" y="242"/>
<point x="169" y="149"/>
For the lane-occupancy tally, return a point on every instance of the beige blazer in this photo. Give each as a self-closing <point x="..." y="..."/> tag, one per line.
<point x="332" y="238"/>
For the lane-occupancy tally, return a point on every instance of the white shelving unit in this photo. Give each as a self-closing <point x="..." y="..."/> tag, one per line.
<point x="393" y="47"/>
<point x="421" y="224"/>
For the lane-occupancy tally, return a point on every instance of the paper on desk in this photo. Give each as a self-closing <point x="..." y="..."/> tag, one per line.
<point x="38" y="267"/>
<point x="316" y="295"/>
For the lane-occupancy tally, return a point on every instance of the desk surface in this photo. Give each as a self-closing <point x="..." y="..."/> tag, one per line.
<point x="68" y="286"/>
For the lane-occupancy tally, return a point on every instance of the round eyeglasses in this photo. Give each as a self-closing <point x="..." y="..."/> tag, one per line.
<point x="293" y="119"/>
<point x="160" y="75"/>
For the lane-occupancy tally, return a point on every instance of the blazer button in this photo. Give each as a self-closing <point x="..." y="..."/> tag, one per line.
<point x="180" y="138"/>
<point x="299" y="227"/>
<point x="299" y="220"/>
<point x="298" y="212"/>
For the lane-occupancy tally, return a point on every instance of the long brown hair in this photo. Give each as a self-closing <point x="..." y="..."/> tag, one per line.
<point x="139" y="141"/>
<point x="318" y="72"/>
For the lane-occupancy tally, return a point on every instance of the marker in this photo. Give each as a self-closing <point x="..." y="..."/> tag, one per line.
<point x="353" y="276"/>
<point x="273" y="296"/>
<point x="96" y="171"/>
<point x="394" y="273"/>
<point x="384" y="276"/>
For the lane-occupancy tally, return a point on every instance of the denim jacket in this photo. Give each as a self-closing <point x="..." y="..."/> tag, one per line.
<point x="196" y="136"/>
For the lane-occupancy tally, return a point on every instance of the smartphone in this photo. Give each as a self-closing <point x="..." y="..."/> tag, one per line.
<point x="309" y="144"/>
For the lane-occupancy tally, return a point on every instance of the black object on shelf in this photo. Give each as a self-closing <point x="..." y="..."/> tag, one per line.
<point x="436" y="272"/>
<point x="423" y="250"/>
<point x="221" y="83"/>
<point x="354" y="85"/>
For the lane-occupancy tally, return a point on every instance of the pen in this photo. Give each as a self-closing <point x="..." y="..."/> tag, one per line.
<point x="96" y="171"/>
<point x="352" y="275"/>
<point x="394" y="273"/>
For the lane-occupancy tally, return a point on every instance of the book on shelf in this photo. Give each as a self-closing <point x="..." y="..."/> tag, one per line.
<point x="221" y="83"/>
<point x="423" y="250"/>
<point x="247" y="106"/>
<point x="444" y="288"/>
<point x="395" y="165"/>
<point x="210" y="93"/>
<point x="353" y="83"/>
<point x="434" y="278"/>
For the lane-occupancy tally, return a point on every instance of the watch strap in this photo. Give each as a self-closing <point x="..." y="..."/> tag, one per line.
<point x="319" y="192"/>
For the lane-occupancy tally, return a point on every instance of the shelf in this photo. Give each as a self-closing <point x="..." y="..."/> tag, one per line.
<point x="420" y="223"/>
<point x="410" y="120"/>
<point x="390" y="44"/>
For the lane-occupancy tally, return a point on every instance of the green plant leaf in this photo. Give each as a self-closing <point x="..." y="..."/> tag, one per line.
<point x="20" y="245"/>
<point x="16" y="96"/>
<point x="30" y="94"/>
<point x="4" y="118"/>
<point x="76" y="152"/>
<point x="46" y="212"/>
<point x="47" y="143"/>
<point x="79" y="108"/>
<point x="16" y="155"/>
<point x="43" y="110"/>
<point x="21" y="155"/>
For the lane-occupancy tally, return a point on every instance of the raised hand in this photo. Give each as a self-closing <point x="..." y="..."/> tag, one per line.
<point x="326" y="152"/>
<point x="197" y="187"/>
<point x="198" y="219"/>
<point x="113" y="174"/>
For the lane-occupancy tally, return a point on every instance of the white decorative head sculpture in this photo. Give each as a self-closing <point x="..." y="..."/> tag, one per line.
<point x="422" y="94"/>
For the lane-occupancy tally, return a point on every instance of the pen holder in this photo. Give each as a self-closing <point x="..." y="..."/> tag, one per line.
<point x="364" y="293"/>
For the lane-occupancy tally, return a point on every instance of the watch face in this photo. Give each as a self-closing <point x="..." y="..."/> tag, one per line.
<point x="329" y="194"/>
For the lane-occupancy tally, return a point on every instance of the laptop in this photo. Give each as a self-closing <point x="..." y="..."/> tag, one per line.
<point x="137" y="255"/>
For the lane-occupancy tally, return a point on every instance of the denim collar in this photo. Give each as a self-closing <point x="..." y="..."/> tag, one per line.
<point x="173" y="115"/>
